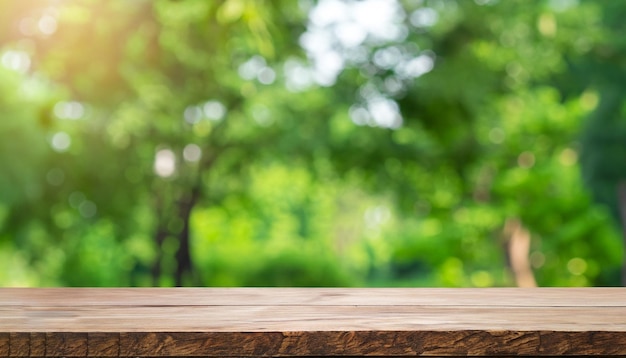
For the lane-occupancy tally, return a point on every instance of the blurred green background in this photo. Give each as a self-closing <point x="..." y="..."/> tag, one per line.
<point x="312" y="143"/>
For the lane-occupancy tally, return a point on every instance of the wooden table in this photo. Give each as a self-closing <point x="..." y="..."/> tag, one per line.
<point x="261" y="322"/>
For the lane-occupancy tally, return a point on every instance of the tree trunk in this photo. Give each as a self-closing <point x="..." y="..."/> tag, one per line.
<point x="159" y="238"/>
<point x="518" y="249"/>
<point x="160" y="235"/>
<point x="183" y="255"/>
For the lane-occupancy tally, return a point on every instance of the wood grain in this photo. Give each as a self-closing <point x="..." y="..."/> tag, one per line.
<point x="312" y="322"/>
<point x="493" y="297"/>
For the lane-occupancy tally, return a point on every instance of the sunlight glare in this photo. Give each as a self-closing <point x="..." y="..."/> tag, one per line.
<point x="69" y="110"/>
<point x="328" y="66"/>
<point x="376" y="216"/>
<point x="18" y="61"/>
<point x="47" y="25"/>
<point x="416" y="67"/>
<point x="298" y="77"/>
<point x="214" y="110"/>
<point x="60" y="141"/>
<point x="165" y="163"/>
<point x="359" y="115"/>
<point x="393" y="85"/>
<point x="336" y="26"/>
<point x="249" y="69"/>
<point x="192" y="152"/>
<point x="385" y="112"/>
<point x="328" y="12"/>
<point x="266" y="76"/>
<point x="387" y="57"/>
<point x="424" y="17"/>
<point x="256" y="68"/>
<point x="350" y="34"/>
<point x="381" y="18"/>
<point x="193" y="114"/>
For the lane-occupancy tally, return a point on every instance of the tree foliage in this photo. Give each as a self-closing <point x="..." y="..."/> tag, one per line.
<point x="307" y="143"/>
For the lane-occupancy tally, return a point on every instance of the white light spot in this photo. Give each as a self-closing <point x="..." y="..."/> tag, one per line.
<point x="424" y="17"/>
<point x="338" y="26"/>
<point x="327" y="67"/>
<point x="376" y="216"/>
<point x="350" y="34"/>
<point x="250" y="69"/>
<point x="297" y="76"/>
<point x="192" y="114"/>
<point x="369" y="91"/>
<point x="385" y="113"/>
<point x="69" y="110"/>
<point x="192" y="152"/>
<point x="381" y="18"/>
<point x="18" y="61"/>
<point x="165" y="163"/>
<point x="266" y="76"/>
<point x="416" y="67"/>
<point x="214" y="110"/>
<point x="387" y="57"/>
<point x="328" y="12"/>
<point x="317" y="41"/>
<point x="359" y="115"/>
<point x="60" y="141"/>
<point x="393" y="85"/>
<point x="47" y="25"/>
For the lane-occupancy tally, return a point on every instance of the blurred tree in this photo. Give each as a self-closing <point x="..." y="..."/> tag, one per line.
<point x="162" y="116"/>
<point x="603" y="139"/>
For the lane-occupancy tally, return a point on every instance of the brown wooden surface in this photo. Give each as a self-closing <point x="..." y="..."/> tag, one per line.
<point x="238" y="322"/>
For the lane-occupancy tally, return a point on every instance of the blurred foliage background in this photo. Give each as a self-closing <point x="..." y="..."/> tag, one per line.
<point x="312" y="143"/>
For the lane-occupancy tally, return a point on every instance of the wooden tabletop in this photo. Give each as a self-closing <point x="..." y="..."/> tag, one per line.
<point x="237" y="322"/>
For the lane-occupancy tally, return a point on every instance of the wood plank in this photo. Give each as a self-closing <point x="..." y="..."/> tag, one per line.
<point x="312" y="322"/>
<point x="103" y="344"/>
<point x="37" y="344"/>
<point x="19" y="344"/>
<point x="492" y="297"/>
<point x="360" y="343"/>
<point x="302" y="318"/>
<point x="66" y="344"/>
<point x="4" y="344"/>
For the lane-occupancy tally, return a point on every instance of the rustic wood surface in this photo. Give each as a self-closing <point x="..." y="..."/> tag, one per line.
<point x="237" y="322"/>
